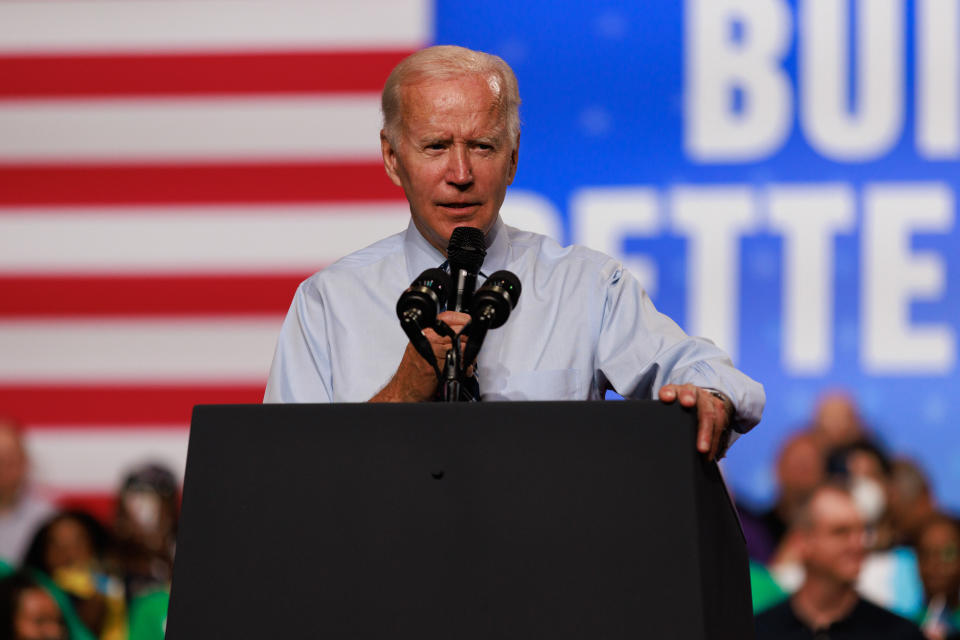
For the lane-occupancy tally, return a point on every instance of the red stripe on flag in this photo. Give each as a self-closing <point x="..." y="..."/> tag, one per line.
<point x="84" y="75"/>
<point x="147" y="295"/>
<point x="196" y="183"/>
<point x="120" y="406"/>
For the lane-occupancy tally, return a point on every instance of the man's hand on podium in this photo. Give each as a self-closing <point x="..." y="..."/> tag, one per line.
<point x="415" y="380"/>
<point x="714" y="415"/>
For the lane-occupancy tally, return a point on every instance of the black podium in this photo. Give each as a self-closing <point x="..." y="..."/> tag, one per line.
<point x="490" y="520"/>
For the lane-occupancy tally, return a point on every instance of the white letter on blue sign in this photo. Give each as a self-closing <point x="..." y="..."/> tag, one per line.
<point x="875" y="124"/>
<point x="717" y="64"/>
<point x="530" y="211"/>
<point x="938" y="79"/>
<point x="894" y="277"/>
<point x="713" y="219"/>
<point x="809" y="217"/>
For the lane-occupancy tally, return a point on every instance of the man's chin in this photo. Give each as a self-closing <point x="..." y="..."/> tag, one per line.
<point x="451" y="222"/>
<point x="849" y="575"/>
<point x="461" y="217"/>
<point x="438" y="228"/>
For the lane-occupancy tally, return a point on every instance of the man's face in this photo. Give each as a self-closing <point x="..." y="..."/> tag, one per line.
<point x="833" y="546"/>
<point x="453" y="155"/>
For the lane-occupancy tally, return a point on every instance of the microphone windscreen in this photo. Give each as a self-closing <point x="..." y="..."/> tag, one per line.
<point x="466" y="249"/>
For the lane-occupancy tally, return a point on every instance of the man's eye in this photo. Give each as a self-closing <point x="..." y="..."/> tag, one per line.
<point x="436" y="146"/>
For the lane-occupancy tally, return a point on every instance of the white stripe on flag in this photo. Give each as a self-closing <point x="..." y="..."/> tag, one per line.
<point x="108" y="351"/>
<point x="295" y="127"/>
<point x="213" y="25"/>
<point x="240" y="239"/>
<point x="96" y="460"/>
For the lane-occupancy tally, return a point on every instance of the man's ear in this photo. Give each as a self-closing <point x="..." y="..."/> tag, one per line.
<point x="390" y="159"/>
<point x="514" y="158"/>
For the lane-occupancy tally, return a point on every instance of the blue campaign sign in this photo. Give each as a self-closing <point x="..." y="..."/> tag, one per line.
<point x="782" y="176"/>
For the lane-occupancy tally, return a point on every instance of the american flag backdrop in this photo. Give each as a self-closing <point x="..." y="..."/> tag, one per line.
<point x="169" y="172"/>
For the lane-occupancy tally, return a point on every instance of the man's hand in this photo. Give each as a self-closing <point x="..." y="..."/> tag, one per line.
<point x="713" y="415"/>
<point x="415" y="379"/>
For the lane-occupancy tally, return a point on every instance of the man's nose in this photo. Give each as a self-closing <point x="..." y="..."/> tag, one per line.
<point x="459" y="170"/>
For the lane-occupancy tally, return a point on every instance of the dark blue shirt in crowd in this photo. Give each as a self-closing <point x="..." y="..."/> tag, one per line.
<point x="866" y="621"/>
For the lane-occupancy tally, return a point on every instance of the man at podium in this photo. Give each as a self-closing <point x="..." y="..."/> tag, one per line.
<point x="450" y="139"/>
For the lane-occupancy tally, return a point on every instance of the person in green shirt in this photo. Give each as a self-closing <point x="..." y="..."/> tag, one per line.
<point x="148" y="616"/>
<point x="764" y="590"/>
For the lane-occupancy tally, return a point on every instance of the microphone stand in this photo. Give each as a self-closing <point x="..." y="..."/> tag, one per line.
<point x="451" y="378"/>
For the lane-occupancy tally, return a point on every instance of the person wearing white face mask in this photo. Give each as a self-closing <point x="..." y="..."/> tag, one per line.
<point x="871" y="500"/>
<point x="889" y="576"/>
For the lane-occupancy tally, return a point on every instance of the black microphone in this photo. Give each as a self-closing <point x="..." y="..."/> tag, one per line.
<point x="418" y="307"/>
<point x="492" y="304"/>
<point x="465" y="252"/>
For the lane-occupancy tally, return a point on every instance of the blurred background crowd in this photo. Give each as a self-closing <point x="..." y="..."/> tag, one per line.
<point x="905" y="553"/>
<point x="65" y="573"/>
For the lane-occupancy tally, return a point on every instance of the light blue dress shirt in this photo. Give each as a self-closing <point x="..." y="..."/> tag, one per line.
<point x="583" y="324"/>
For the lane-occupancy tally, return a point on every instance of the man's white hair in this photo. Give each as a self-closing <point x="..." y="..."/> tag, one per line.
<point x="444" y="62"/>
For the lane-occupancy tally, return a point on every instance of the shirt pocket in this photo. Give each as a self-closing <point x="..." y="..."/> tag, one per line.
<point x="555" y="384"/>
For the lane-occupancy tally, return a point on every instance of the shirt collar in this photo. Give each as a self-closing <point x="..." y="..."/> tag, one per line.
<point x="420" y="255"/>
<point x="797" y="622"/>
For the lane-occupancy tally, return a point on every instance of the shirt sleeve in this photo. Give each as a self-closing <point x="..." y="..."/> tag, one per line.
<point x="301" y="364"/>
<point x="640" y="350"/>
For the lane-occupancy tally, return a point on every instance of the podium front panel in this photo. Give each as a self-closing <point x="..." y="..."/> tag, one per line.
<point x="487" y="520"/>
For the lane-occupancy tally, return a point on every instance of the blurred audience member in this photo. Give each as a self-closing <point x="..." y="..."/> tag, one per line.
<point x="836" y="421"/>
<point x="889" y="577"/>
<point x="72" y="548"/>
<point x="27" y="612"/>
<point x="764" y="590"/>
<point x="148" y="616"/>
<point x="148" y="508"/>
<point x="866" y="469"/>
<point x="938" y="550"/>
<point x="827" y="605"/>
<point x="911" y="501"/>
<point x="146" y="528"/>
<point x="800" y="469"/>
<point x="21" y="511"/>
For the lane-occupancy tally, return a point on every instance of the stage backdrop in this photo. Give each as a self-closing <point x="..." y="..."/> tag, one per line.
<point x="781" y="175"/>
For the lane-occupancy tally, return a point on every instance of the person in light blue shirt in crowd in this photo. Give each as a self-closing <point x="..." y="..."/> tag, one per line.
<point x="584" y="324"/>
<point x="22" y="510"/>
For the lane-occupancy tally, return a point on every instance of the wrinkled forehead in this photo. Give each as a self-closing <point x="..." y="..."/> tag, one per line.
<point x="472" y="96"/>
